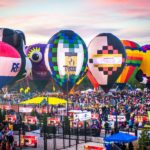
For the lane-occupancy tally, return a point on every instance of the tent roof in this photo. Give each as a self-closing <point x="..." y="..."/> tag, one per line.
<point x="120" y="138"/>
<point x="50" y="100"/>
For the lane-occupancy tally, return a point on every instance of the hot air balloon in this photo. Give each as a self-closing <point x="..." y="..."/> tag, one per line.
<point x="10" y="63"/>
<point x="133" y="62"/>
<point x="107" y="57"/>
<point x="92" y="80"/>
<point x="66" y="58"/>
<point x="40" y="74"/>
<point x="16" y="38"/>
<point x="143" y="74"/>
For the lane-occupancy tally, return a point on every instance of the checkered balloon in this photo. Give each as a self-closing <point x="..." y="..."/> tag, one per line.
<point x="107" y="57"/>
<point x="66" y="58"/>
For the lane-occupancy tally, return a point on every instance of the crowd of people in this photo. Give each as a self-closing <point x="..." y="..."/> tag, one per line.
<point x="130" y="104"/>
<point x="6" y="136"/>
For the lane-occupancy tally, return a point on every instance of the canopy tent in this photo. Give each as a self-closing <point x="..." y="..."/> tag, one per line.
<point x="120" y="138"/>
<point x="49" y="100"/>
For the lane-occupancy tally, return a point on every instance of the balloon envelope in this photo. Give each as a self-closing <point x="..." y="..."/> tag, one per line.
<point x="106" y="59"/>
<point x="92" y="80"/>
<point x="143" y="74"/>
<point x="10" y="63"/>
<point x="16" y="39"/>
<point x="40" y="74"/>
<point x="133" y="61"/>
<point x="66" y="58"/>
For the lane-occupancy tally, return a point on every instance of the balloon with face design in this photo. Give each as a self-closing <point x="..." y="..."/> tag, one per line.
<point x="40" y="74"/>
<point x="16" y="39"/>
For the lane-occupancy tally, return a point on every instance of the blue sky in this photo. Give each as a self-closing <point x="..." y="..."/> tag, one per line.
<point x="40" y="19"/>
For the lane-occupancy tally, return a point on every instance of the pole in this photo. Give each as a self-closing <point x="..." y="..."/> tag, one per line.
<point x="20" y="132"/>
<point x="67" y="105"/>
<point x="85" y="131"/>
<point x="63" y="135"/>
<point x="45" y="138"/>
<point x="116" y="123"/>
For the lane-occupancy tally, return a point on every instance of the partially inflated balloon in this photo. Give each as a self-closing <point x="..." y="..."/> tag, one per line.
<point x="66" y="55"/>
<point x="143" y="74"/>
<point x="133" y="61"/>
<point x="40" y="74"/>
<point x="16" y="38"/>
<point x="10" y="63"/>
<point x="106" y="59"/>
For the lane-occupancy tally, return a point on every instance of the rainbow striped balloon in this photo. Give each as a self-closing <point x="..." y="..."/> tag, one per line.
<point x="133" y="61"/>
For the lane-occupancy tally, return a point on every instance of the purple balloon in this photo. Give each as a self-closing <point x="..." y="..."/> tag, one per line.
<point x="35" y="53"/>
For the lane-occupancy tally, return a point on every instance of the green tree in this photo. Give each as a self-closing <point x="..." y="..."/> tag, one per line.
<point x="144" y="140"/>
<point x="33" y="113"/>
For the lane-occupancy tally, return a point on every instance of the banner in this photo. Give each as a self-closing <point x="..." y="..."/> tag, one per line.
<point x="5" y="107"/>
<point x="42" y="110"/>
<point x="95" y="116"/>
<point x="82" y="116"/>
<point x="53" y="121"/>
<point x="148" y="115"/>
<point x="140" y="118"/>
<point x="29" y="140"/>
<point x="70" y="62"/>
<point x="119" y="118"/>
<point x="31" y="119"/>
<point x="62" y="111"/>
<point x="25" y="109"/>
<point x="10" y="118"/>
<point x="75" y="124"/>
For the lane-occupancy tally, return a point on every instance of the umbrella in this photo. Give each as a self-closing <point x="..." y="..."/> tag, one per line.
<point x="49" y="100"/>
<point x="120" y="138"/>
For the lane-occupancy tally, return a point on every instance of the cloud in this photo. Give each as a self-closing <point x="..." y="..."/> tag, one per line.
<point x="8" y="3"/>
<point x="139" y="9"/>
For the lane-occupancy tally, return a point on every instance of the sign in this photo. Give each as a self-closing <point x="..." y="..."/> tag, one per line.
<point x="25" y="109"/>
<point x="95" y="116"/>
<point x="53" y="121"/>
<point x="82" y="116"/>
<point x="28" y="140"/>
<point x="75" y="124"/>
<point x="91" y="147"/>
<point x="119" y="118"/>
<point x="140" y="118"/>
<point x="42" y="110"/>
<point x="30" y="119"/>
<point x="62" y="111"/>
<point x="71" y="62"/>
<point x="5" y="107"/>
<point x="10" y="118"/>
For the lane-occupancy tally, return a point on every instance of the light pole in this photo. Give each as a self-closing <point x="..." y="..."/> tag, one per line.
<point x="68" y="76"/>
<point x="115" y="103"/>
<point x="116" y="113"/>
<point x="67" y="73"/>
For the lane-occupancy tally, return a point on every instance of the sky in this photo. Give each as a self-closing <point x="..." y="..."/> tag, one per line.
<point x="41" y="19"/>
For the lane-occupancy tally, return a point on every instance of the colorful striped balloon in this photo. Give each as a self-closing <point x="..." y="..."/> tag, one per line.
<point x="133" y="61"/>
